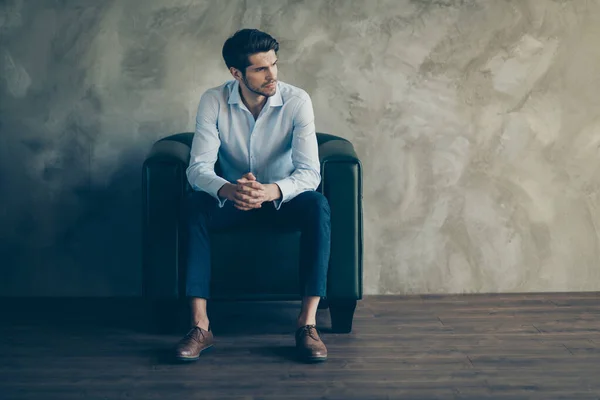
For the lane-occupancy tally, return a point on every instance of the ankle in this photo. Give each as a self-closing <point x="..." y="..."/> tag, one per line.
<point x="304" y="320"/>
<point x="201" y="323"/>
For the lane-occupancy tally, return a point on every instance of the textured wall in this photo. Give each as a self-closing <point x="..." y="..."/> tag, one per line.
<point x="477" y="121"/>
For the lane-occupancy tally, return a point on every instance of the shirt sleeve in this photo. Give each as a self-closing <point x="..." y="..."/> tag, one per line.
<point x="305" y="156"/>
<point x="205" y="149"/>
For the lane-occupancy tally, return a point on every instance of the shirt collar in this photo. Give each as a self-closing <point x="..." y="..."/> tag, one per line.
<point x="276" y="100"/>
<point x="234" y="97"/>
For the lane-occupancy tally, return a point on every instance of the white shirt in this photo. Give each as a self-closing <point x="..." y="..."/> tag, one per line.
<point x="279" y="147"/>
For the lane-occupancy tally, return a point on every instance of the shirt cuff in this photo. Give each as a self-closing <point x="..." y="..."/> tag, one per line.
<point x="213" y="189"/>
<point x="287" y="190"/>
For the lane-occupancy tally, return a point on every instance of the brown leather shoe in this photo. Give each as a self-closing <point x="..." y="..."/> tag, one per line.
<point x="193" y="343"/>
<point x="309" y="345"/>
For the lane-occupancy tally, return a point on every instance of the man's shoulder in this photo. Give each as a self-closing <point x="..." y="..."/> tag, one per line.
<point x="292" y="93"/>
<point x="220" y="92"/>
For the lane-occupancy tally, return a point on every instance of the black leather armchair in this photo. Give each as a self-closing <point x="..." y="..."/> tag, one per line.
<point x="276" y="278"/>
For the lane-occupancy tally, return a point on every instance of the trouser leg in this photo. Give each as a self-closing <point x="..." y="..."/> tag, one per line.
<point x="309" y="212"/>
<point x="202" y="214"/>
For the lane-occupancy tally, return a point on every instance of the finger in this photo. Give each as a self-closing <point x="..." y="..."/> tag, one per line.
<point x="243" y="208"/>
<point x="243" y="189"/>
<point x="246" y="208"/>
<point x="250" y="192"/>
<point x="253" y="192"/>
<point x="243" y="203"/>
<point x="250" y="176"/>
<point x="249" y="183"/>
<point x="253" y="185"/>
<point x="245" y="198"/>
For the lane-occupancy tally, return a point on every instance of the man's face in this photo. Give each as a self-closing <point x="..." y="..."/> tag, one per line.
<point x="261" y="75"/>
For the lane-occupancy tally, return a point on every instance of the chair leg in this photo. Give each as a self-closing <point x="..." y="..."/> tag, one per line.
<point x="342" y="313"/>
<point x="165" y="316"/>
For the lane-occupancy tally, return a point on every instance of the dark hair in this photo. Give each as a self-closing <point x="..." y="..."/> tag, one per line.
<point x="239" y="47"/>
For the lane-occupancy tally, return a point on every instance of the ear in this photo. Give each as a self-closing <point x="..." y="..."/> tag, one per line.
<point x="236" y="73"/>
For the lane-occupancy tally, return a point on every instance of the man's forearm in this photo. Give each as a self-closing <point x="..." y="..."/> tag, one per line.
<point x="202" y="179"/>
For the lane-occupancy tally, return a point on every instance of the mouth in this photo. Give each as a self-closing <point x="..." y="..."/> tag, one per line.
<point x="271" y="85"/>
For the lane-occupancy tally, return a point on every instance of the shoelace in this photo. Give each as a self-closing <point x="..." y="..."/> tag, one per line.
<point x="311" y="330"/>
<point x="191" y="334"/>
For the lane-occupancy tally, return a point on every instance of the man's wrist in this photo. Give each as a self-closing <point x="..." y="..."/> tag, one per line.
<point x="275" y="192"/>
<point x="222" y="192"/>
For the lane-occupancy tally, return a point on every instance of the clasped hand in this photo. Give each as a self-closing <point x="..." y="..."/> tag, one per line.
<point x="247" y="194"/>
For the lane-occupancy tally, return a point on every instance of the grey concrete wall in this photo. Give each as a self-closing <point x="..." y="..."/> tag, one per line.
<point x="477" y="122"/>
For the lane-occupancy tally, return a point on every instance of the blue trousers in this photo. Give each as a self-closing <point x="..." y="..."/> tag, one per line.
<point x="308" y="212"/>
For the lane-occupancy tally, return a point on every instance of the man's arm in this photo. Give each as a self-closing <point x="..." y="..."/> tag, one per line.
<point x="205" y="148"/>
<point x="305" y="156"/>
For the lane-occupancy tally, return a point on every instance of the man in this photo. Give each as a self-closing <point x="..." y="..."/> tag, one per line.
<point x="263" y="132"/>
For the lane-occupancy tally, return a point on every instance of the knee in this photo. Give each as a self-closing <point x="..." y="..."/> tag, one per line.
<point x="318" y="205"/>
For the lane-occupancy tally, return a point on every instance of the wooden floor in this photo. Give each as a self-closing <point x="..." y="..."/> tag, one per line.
<point x="536" y="346"/>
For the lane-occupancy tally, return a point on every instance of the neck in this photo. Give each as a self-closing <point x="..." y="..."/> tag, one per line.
<point x="253" y="101"/>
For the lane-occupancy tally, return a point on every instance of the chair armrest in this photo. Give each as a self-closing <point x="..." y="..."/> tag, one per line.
<point x="163" y="186"/>
<point x="341" y="183"/>
<point x="169" y="150"/>
<point x="337" y="150"/>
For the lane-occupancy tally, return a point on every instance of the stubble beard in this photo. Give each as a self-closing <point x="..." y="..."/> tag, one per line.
<point x="257" y="90"/>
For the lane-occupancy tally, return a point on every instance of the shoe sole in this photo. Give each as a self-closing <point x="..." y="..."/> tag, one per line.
<point x="314" y="359"/>
<point x="195" y="358"/>
<point x="317" y="360"/>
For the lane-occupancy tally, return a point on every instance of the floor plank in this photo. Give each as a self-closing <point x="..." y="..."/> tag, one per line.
<point x="504" y="346"/>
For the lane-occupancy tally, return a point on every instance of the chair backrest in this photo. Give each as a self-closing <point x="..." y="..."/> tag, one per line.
<point x="187" y="137"/>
